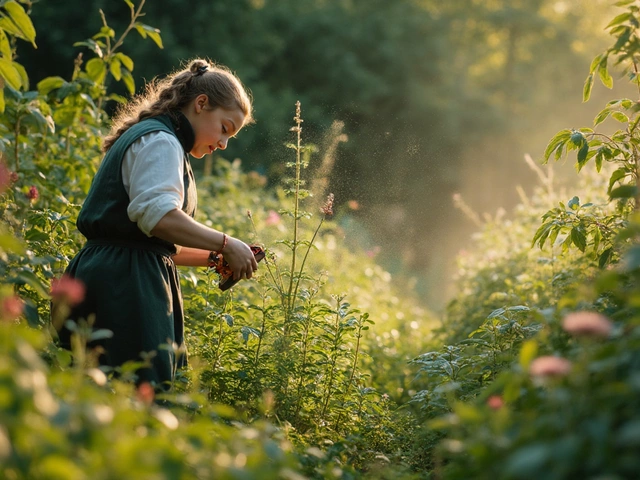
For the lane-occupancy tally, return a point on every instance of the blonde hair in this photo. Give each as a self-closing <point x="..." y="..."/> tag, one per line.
<point x="222" y="87"/>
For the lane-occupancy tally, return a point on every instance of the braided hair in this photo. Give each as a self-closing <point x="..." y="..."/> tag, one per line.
<point x="223" y="89"/>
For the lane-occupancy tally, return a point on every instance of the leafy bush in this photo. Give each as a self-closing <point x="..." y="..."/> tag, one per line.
<point x="547" y="386"/>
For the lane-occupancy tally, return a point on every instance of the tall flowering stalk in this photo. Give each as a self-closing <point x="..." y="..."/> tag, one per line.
<point x="296" y="204"/>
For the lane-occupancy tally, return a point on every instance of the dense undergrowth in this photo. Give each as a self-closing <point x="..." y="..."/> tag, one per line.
<point x="323" y="367"/>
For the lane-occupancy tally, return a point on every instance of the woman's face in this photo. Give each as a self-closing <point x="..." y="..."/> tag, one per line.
<point x="213" y="126"/>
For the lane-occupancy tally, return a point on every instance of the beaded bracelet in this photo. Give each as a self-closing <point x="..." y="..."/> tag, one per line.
<point x="215" y="258"/>
<point x="225" y="240"/>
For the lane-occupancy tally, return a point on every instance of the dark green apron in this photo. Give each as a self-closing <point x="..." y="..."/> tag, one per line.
<point x="132" y="286"/>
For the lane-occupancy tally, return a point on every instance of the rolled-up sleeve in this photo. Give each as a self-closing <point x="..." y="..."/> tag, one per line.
<point x="152" y="174"/>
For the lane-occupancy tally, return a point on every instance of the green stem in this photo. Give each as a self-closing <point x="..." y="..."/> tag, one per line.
<point x="304" y="260"/>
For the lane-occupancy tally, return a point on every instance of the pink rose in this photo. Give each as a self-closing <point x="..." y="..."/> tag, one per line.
<point x="495" y="402"/>
<point x="590" y="324"/>
<point x="145" y="393"/>
<point x="12" y="307"/>
<point x="549" y="366"/>
<point x="33" y="193"/>
<point x="68" y="290"/>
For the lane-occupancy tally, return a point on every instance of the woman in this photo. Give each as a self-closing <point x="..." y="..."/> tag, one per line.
<point x="138" y="216"/>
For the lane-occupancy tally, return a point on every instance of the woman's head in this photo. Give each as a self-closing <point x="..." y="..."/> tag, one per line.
<point x="201" y="77"/>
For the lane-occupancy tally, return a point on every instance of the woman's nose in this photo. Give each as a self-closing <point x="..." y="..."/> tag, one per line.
<point x="222" y="143"/>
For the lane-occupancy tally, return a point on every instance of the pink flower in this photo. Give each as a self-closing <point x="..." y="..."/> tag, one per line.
<point x="495" y="402"/>
<point x="590" y="324"/>
<point x="5" y="177"/>
<point x="273" y="218"/>
<point x="145" y="393"/>
<point x="549" y="366"/>
<point x="12" y="307"/>
<point x="353" y="204"/>
<point x="68" y="290"/>
<point x="327" y="208"/>
<point x="33" y="193"/>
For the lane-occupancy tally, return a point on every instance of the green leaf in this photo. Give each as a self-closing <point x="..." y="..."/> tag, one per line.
<point x="9" y="243"/>
<point x="10" y="74"/>
<point x="624" y="3"/>
<point x="115" y="69"/>
<point x="2" y="102"/>
<point x="603" y="72"/>
<point x="583" y="155"/>
<point x="574" y="203"/>
<point x="528" y="352"/>
<point x="623" y="37"/>
<point x="5" y="46"/>
<point x="594" y="63"/>
<point x="93" y="45"/>
<point x="126" y="60"/>
<point x="559" y="139"/>
<point x="49" y="84"/>
<point x="601" y="117"/>
<point x="153" y="33"/>
<point x="624" y="191"/>
<point x="621" y="117"/>
<point x="605" y="257"/>
<point x="105" y="32"/>
<point x="599" y="160"/>
<point x="23" y="75"/>
<point x="623" y="17"/>
<point x="597" y="238"/>
<point x="588" y="86"/>
<point x="29" y="278"/>
<point x="97" y="70"/>
<point x="21" y="20"/>
<point x="577" y="138"/>
<point x="616" y="176"/>
<point x="578" y="238"/>
<point x="30" y="312"/>
<point x="127" y="78"/>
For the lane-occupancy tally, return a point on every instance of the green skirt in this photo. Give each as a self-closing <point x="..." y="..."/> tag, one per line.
<point x="133" y="290"/>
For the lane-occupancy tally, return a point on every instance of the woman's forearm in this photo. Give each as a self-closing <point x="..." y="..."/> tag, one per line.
<point x="179" y="228"/>
<point x="191" y="257"/>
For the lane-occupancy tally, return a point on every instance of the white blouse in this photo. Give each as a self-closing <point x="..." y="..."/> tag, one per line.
<point x="152" y="173"/>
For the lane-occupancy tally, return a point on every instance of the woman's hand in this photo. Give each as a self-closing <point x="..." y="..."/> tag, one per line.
<point x="240" y="259"/>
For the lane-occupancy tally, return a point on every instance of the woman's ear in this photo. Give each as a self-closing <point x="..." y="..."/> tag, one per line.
<point x="200" y="102"/>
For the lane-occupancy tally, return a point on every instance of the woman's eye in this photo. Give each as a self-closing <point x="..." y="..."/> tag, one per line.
<point x="224" y="129"/>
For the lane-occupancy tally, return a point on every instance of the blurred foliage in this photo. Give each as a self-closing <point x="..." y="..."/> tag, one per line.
<point x="537" y="377"/>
